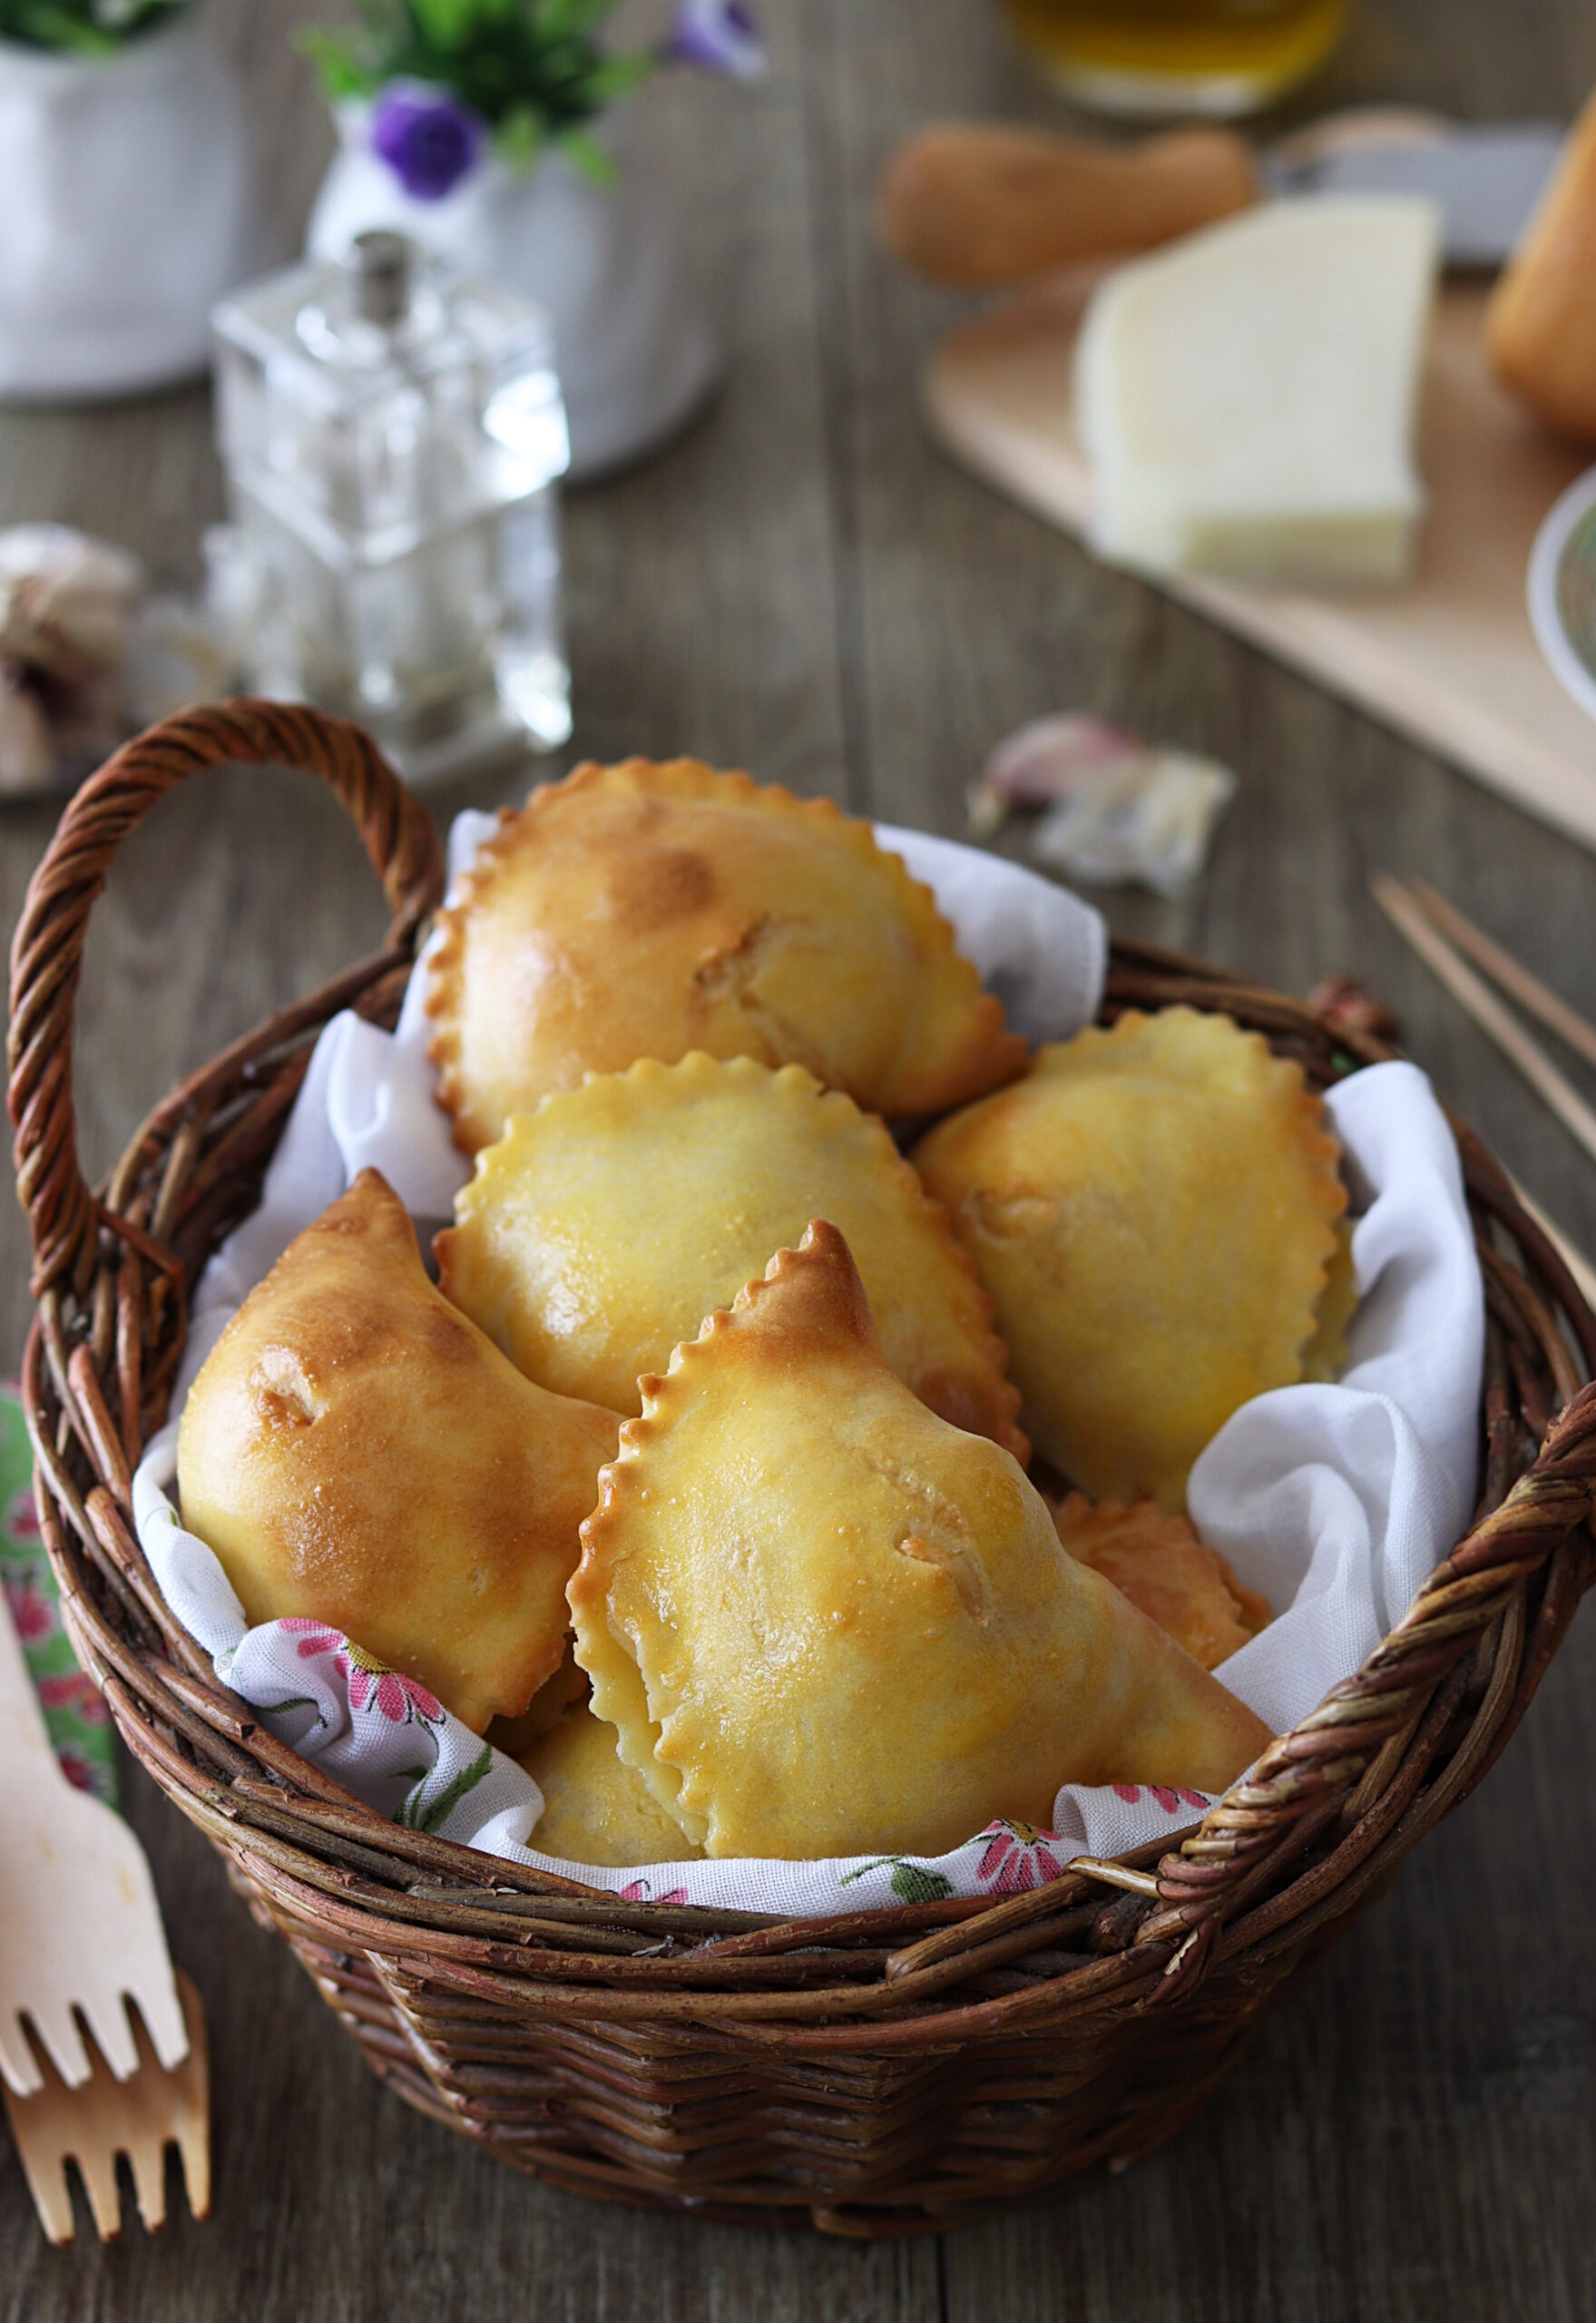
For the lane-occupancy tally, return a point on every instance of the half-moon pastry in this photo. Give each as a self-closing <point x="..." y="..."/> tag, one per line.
<point x="647" y="909"/>
<point x="825" y="1621"/>
<point x="1154" y="1212"/>
<point x="599" y="1232"/>
<point x="597" y="1808"/>
<point x="566" y="1690"/>
<point x="1326" y="1353"/>
<point x="356" y="1451"/>
<point x="1163" y="1567"/>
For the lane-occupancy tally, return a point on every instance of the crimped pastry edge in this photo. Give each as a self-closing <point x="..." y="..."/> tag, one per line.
<point x="987" y="1031"/>
<point x="619" y="1689"/>
<point x="1320" y="1146"/>
<point x="871" y="1137"/>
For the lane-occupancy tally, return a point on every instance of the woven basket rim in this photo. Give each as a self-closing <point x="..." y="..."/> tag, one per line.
<point x="112" y="1269"/>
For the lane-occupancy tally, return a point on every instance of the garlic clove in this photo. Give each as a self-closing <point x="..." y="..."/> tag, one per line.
<point x="27" y="748"/>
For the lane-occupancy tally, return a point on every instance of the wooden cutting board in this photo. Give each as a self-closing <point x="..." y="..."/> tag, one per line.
<point x="1449" y="658"/>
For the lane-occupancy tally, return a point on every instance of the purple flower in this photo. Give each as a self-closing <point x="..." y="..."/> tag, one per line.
<point x="719" y="36"/>
<point x="427" y="137"/>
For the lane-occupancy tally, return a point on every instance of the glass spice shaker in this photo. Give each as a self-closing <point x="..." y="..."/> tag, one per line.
<point x="392" y="433"/>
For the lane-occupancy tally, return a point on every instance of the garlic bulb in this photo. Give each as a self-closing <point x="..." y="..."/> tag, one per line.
<point x="68" y="605"/>
<point x="1116" y="808"/>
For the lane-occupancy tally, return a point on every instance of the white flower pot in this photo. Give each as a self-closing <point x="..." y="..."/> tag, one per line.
<point x="125" y="212"/>
<point x="635" y="353"/>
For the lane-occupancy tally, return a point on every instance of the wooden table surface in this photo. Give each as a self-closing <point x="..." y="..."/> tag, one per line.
<point x="804" y="587"/>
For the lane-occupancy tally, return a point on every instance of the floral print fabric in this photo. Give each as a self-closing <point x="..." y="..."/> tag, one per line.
<point x="75" y="1716"/>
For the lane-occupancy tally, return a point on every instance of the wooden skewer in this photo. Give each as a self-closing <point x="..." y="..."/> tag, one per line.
<point x="1479" y="1002"/>
<point x="1503" y="969"/>
<point x="1573" y="1258"/>
<point x="1494" y="1019"/>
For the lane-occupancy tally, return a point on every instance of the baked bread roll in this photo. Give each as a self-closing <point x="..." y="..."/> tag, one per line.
<point x="599" y="1232"/>
<point x="1540" y="322"/>
<point x="356" y="1451"/>
<point x="645" y="910"/>
<point x="1154" y="1210"/>
<point x="825" y="1623"/>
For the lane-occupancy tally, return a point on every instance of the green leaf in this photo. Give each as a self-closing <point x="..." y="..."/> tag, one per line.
<point x="341" y="71"/>
<point x="617" y="75"/>
<point x="916" y="1883"/>
<point x="519" y="138"/>
<point x="50" y="28"/>
<point x="568" y="19"/>
<point x="447" y="23"/>
<point x="436" y="1813"/>
<point x="534" y="70"/>
<point x="586" y="154"/>
<point x="296" y="1701"/>
<point x="81" y="27"/>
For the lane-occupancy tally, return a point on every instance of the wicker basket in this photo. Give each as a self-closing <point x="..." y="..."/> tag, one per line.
<point x="873" y="2072"/>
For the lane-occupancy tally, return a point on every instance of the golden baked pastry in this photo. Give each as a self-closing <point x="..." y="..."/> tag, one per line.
<point x="1325" y="1355"/>
<point x="645" y="910"/>
<point x="1153" y="1210"/>
<point x="600" y="1232"/>
<point x="564" y="1691"/>
<point x="825" y="1621"/>
<point x="597" y="1808"/>
<point x="1161" y="1565"/>
<point x="356" y="1451"/>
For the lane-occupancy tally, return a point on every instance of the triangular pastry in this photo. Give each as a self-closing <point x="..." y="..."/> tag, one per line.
<point x="599" y="1230"/>
<point x="357" y="1451"/>
<point x="1154" y="1209"/>
<point x="647" y="909"/>
<point x="825" y="1621"/>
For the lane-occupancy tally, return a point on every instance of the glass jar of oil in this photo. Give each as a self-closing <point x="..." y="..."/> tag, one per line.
<point x="1153" y="59"/>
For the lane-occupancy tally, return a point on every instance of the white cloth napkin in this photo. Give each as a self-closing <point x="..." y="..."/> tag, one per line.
<point x="1335" y="1501"/>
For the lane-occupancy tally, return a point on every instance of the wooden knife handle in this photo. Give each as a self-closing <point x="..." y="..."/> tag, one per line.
<point x="970" y="203"/>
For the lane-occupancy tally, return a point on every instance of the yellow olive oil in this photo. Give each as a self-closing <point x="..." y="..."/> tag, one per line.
<point x="1155" y="57"/>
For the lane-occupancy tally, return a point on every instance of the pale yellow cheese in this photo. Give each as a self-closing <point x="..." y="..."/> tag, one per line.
<point x="1246" y="398"/>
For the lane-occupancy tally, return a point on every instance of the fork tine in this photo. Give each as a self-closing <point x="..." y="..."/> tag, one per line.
<point x="97" y="2168"/>
<point x="57" y="2030"/>
<point x="19" y="2068"/>
<point x="107" y="2014"/>
<point x="173" y="2108"/>
<point x="47" y="2177"/>
<point x="147" y="2161"/>
<point x="161" y="2009"/>
<point x="194" y="2146"/>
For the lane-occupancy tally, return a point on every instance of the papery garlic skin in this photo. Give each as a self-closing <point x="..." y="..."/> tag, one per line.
<point x="68" y="611"/>
<point x="1117" y="809"/>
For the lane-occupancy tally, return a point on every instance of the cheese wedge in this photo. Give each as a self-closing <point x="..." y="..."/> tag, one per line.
<point x="1246" y="398"/>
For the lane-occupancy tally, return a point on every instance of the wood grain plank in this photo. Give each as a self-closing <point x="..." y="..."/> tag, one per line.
<point x="804" y="585"/>
<point x="702" y="585"/>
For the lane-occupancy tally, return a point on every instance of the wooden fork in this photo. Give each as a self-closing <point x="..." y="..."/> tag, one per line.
<point x="97" y="2053"/>
<point x="104" y="2119"/>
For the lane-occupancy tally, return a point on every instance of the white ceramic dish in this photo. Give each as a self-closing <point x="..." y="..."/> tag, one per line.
<point x="1563" y="591"/>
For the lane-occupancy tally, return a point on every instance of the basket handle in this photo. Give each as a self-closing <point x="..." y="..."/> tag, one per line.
<point x="46" y="954"/>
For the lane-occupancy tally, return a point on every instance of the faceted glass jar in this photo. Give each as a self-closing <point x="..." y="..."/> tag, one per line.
<point x="393" y="432"/>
